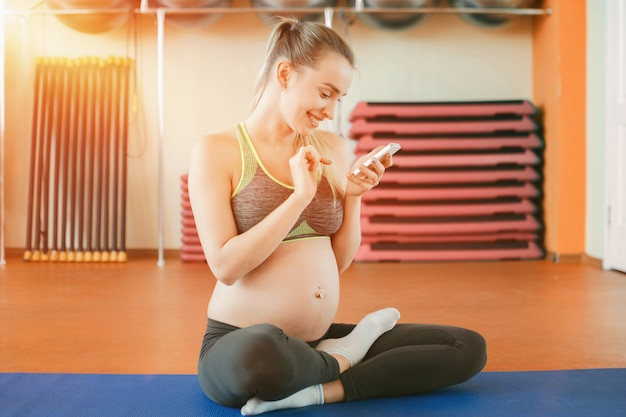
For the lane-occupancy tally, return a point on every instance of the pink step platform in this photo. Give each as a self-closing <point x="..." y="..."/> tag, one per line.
<point x="452" y="192"/>
<point x="454" y="247"/>
<point x="517" y="156"/>
<point x="191" y="249"/>
<point x="402" y="126"/>
<point x="514" y="222"/>
<point x="444" y="208"/>
<point x="527" y="140"/>
<point x="465" y="186"/>
<point x="456" y="175"/>
<point x="513" y="250"/>
<point x="452" y="238"/>
<point x="435" y="109"/>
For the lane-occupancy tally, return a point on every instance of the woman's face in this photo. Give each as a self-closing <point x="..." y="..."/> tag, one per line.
<point x="312" y="94"/>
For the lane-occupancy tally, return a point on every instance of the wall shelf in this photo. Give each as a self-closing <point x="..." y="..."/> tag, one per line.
<point x="238" y="10"/>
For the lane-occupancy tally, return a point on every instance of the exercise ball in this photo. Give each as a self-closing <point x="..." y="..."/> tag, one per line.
<point x="186" y="20"/>
<point x="93" y="22"/>
<point x="489" y="20"/>
<point x="393" y="21"/>
<point x="269" y="18"/>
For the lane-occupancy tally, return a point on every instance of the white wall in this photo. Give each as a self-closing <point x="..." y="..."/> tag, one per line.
<point x="595" y="230"/>
<point x="209" y="76"/>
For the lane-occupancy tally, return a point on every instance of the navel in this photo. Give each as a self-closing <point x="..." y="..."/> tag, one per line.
<point x="319" y="293"/>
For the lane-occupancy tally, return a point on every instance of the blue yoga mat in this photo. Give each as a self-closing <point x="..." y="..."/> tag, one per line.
<point x="571" y="393"/>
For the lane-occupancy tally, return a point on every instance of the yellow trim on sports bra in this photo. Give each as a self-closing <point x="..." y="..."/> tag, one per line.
<point x="243" y="165"/>
<point x="304" y="238"/>
<point x="258" y="159"/>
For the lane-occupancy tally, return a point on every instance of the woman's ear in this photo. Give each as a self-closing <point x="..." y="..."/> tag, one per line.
<point x="282" y="73"/>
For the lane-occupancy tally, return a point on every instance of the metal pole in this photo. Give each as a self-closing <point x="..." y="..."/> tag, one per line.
<point x="161" y="112"/>
<point x="2" y="235"/>
<point x="121" y="249"/>
<point x="328" y="17"/>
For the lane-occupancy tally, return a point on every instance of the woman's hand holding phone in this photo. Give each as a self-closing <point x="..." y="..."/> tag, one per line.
<point x="367" y="175"/>
<point x="390" y="148"/>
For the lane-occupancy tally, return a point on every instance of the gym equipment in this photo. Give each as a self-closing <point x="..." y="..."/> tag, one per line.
<point x="187" y="20"/>
<point x="93" y="22"/>
<point x="490" y="20"/>
<point x="465" y="186"/>
<point x="191" y="249"/>
<point x="269" y="18"/>
<point x="77" y="180"/>
<point x="561" y="393"/>
<point x="393" y="21"/>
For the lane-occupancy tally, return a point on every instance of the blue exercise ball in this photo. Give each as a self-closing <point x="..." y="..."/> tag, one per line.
<point x="490" y="20"/>
<point x="269" y="18"/>
<point x="393" y="21"/>
<point x="187" y="20"/>
<point x="93" y="22"/>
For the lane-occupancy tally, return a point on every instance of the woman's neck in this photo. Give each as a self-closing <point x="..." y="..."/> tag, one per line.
<point x="268" y="127"/>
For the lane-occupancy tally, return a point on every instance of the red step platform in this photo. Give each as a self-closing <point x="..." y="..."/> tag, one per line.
<point x="191" y="249"/>
<point x="443" y="108"/>
<point x="404" y="192"/>
<point x="444" y="208"/>
<point x="453" y="238"/>
<point x="460" y="175"/>
<point x="441" y="125"/>
<point x="498" y="251"/>
<point x="465" y="186"/>
<point x="463" y="141"/>
<point x="516" y="156"/>
<point x="450" y="225"/>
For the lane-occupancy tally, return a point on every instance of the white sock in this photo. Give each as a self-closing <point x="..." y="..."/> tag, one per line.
<point x="312" y="395"/>
<point x="355" y="345"/>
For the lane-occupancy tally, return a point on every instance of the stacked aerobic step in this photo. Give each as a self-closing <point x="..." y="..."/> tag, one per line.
<point x="467" y="184"/>
<point x="191" y="250"/>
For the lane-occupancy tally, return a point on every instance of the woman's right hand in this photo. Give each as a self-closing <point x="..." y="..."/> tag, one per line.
<point x="306" y="169"/>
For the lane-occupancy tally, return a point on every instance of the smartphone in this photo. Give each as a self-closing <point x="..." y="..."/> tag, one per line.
<point x="390" y="148"/>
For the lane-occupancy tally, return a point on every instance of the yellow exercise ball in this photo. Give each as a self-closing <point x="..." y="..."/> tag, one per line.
<point x="93" y="22"/>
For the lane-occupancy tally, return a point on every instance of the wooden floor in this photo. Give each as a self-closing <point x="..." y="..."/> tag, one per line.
<point x="138" y="317"/>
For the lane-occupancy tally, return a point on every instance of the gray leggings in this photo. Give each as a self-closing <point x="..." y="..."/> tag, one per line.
<point x="237" y="364"/>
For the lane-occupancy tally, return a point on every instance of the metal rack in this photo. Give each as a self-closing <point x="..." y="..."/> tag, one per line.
<point x="160" y="13"/>
<point x="358" y="8"/>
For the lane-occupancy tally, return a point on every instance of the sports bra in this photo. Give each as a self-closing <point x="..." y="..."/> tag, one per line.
<point x="258" y="193"/>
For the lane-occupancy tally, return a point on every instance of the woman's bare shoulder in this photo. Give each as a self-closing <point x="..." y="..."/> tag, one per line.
<point x="215" y="155"/>
<point x="217" y="143"/>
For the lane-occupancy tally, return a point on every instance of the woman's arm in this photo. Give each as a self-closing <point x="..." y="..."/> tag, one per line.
<point x="347" y="240"/>
<point x="230" y="255"/>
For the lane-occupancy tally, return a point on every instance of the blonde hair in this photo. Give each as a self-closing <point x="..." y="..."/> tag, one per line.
<point x="303" y="44"/>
